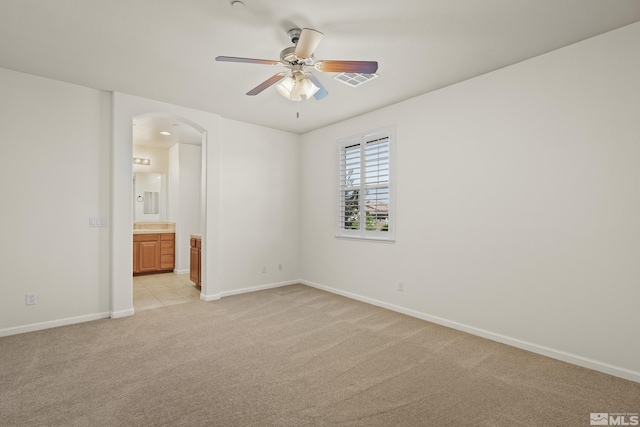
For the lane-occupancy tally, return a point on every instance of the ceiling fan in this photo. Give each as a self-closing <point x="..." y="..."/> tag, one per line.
<point x="298" y="84"/>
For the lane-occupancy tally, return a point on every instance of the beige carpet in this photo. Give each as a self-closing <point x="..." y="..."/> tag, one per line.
<point x="291" y="356"/>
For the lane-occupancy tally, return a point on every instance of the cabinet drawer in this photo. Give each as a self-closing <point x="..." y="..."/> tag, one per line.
<point x="167" y="236"/>
<point x="167" y="247"/>
<point x="166" y="261"/>
<point x="145" y="237"/>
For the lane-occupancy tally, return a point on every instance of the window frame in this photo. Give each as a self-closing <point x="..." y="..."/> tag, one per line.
<point x="362" y="140"/>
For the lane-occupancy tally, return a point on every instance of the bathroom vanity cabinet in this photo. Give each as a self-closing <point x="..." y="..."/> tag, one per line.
<point x="153" y="253"/>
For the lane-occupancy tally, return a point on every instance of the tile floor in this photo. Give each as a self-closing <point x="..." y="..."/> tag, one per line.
<point x="161" y="290"/>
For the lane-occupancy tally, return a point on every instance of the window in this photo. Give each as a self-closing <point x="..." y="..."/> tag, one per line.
<point x="365" y="185"/>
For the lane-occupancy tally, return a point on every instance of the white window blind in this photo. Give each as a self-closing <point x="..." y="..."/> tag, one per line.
<point x="365" y="202"/>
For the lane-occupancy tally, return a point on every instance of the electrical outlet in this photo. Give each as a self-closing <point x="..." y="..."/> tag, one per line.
<point x="264" y="268"/>
<point x="401" y="286"/>
<point x="31" y="299"/>
<point x="279" y="267"/>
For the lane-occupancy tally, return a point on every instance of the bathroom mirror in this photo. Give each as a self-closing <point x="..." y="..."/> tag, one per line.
<point x="149" y="197"/>
<point x="151" y="202"/>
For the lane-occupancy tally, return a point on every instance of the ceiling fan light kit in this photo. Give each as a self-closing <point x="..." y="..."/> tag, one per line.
<point x="297" y="87"/>
<point x="297" y="84"/>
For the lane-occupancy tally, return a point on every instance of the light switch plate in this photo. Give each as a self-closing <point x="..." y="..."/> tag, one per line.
<point x="100" y="221"/>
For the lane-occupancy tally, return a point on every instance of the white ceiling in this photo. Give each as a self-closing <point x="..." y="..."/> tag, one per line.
<point x="146" y="131"/>
<point x="165" y="49"/>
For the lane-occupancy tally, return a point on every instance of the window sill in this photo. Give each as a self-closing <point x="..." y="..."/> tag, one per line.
<point x="369" y="239"/>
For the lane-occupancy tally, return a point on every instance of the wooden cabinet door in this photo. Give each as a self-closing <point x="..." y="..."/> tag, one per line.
<point x="136" y="257"/>
<point x="194" y="270"/>
<point x="149" y="256"/>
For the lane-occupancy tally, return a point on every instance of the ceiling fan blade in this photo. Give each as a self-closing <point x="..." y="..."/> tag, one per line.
<point x="307" y="43"/>
<point x="322" y="92"/>
<point x="365" y="67"/>
<point x="265" y="84"/>
<point x="247" y="60"/>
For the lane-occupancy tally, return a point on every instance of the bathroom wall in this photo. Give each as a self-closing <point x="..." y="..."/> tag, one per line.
<point x="159" y="157"/>
<point x="156" y="185"/>
<point x="185" y="176"/>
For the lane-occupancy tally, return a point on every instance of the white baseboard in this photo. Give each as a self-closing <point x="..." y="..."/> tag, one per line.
<point x="247" y="289"/>
<point x="52" y="324"/>
<point x="259" y="288"/>
<point x="122" y="313"/>
<point x="514" y="342"/>
<point x="212" y="297"/>
<point x="184" y="271"/>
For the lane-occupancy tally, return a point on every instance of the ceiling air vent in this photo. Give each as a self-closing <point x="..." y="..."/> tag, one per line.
<point x="354" y="79"/>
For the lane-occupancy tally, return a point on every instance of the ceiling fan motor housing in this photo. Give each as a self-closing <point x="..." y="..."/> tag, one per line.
<point x="294" y="35"/>
<point x="289" y="55"/>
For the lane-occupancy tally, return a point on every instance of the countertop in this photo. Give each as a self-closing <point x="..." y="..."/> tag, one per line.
<point x="152" y="231"/>
<point x="153" y="227"/>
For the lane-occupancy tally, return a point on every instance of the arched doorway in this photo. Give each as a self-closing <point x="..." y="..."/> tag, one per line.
<point x="125" y="109"/>
<point x="167" y="182"/>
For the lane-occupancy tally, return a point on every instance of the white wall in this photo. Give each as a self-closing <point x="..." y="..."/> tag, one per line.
<point x="149" y="182"/>
<point x="184" y="183"/>
<point x="259" y="201"/>
<point x="159" y="157"/>
<point x="517" y="206"/>
<point x="54" y="176"/>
